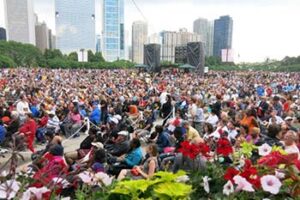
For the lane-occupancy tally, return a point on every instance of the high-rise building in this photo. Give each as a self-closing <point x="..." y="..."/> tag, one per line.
<point x="2" y="33"/>
<point x="42" y="36"/>
<point x="204" y="28"/>
<point x="222" y="35"/>
<point x="75" y="25"/>
<point x="98" y="43"/>
<point x="20" y="21"/>
<point x="51" y="40"/>
<point x="172" y="39"/>
<point x="113" y="30"/>
<point x="154" y="38"/>
<point x="139" y="39"/>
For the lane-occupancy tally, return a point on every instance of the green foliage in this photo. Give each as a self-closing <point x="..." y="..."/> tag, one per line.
<point x="23" y="55"/>
<point x="212" y="61"/>
<point x="73" y="56"/>
<point x="98" y="57"/>
<point x="162" y="186"/>
<point x="215" y="171"/>
<point x="6" y="62"/>
<point x="14" y="54"/>
<point x="52" y="54"/>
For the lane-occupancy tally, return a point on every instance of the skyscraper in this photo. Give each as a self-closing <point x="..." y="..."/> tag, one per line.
<point x="113" y="30"/>
<point x="75" y="25"/>
<point x="139" y="38"/>
<point x="172" y="39"/>
<point x="98" y="43"/>
<point x="42" y="36"/>
<point x="2" y="33"/>
<point x="204" y="28"/>
<point x="20" y="21"/>
<point x="222" y="34"/>
<point x="52" y="40"/>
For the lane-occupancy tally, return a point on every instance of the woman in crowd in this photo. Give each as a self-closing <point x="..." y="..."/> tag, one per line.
<point x="146" y="171"/>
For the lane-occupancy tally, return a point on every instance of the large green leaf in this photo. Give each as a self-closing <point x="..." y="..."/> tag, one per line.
<point x="167" y="176"/>
<point x="172" y="190"/>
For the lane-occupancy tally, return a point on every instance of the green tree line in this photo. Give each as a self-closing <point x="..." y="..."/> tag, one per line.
<point x="15" y="54"/>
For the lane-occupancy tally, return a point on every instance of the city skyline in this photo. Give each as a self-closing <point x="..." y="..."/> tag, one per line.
<point x="261" y="28"/>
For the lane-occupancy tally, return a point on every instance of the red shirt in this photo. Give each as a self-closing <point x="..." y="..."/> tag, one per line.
<point x="29" y="129"/>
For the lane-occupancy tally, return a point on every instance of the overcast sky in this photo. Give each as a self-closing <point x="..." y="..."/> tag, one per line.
<point x="261" y="28"/>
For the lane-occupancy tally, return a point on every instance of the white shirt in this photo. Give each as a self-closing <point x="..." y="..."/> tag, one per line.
<point x="212" y="119"/>
<point x="278" y="120"/>
<point x="22" y="108"/>
<point x="292" y="149"/>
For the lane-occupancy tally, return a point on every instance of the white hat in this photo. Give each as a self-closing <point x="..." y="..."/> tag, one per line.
<point x="288" y="118"/>
<point x="125" y="133"/>
<point x="118" y="117"/>
<point x="99" y="145"/>
<point x="114" y="120"/>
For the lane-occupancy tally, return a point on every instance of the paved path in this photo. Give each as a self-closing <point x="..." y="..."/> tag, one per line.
<point x="70" y="145"/>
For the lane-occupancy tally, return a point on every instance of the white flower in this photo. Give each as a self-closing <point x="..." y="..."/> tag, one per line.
<point x="86" y="177"/>
<point x="270" y="184"/>
<point x="4" y="173"/>
<point x="242" y="184"/>
<point x="103" y="178"/>
<point x="9" y="189"/>
<point x="228" y="188"/>
<point x="37" y="193"/>
<point x="61" y="181"/>
<point x="206" y="184"/>
<point x="264" y="149"/>
<point x="279" y="174"/>
<point x="183" y="179"/>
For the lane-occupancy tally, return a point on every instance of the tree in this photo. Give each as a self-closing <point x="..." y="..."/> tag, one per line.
<point x="73" y="56"/>
<point x="98" y="57"/>
<point x="212" y="61"/>
<point x="91" y="56"/>
<point x="6" y="62"/>
<point x="52" y="54"/>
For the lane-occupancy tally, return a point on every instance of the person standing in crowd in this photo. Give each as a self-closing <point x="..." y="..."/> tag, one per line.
<point x="166" y="109"/>
<point x="22" y="107"/>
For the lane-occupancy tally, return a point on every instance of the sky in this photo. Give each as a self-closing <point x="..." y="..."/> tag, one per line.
<point x="261" y="28"/>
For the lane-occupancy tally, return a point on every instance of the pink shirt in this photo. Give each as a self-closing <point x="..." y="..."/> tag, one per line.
<point x="76" y="118"/>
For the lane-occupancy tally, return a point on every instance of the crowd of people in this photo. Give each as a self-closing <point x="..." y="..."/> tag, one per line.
<point x="136" y="121"/>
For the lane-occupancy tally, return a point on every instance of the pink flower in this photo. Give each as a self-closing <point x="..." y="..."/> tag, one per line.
<point x="242" y="184"/>
<point x="34" y="193"/>
<point x="264" y="149"/>
<point x="270" y="184"/>
<point x="228" y="188"/>
<point x="86" y="177"/>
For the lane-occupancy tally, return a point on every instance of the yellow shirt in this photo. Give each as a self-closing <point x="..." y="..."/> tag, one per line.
<point x="193" y="135"/>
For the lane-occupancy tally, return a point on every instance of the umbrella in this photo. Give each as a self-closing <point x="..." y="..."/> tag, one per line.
<point x="187" y="66"/>
<point x="141" y="66"/>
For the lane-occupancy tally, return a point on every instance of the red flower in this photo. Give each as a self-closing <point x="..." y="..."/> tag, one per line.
<point x="230" y="173"/>
<point x="193" y="150"/>
<point x="250" y="173"/>
<point x="204" y="149"/>
<point x="224" y="147"/>
<point x="276" y="158"/>
<point x="297" y="164"/>
<point x="188" y="150"/>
